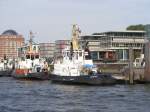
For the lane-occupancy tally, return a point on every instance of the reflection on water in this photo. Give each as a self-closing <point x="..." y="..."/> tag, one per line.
<point x="42" y="96"/>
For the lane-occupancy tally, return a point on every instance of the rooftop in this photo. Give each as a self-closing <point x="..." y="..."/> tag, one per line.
<point x="10" y="32"/>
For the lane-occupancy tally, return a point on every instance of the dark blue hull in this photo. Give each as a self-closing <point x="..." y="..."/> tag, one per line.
<point x="6" y="73"/>
<point x="95" y="79"/>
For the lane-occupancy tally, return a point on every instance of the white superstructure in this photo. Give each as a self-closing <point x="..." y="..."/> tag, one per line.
<point x="29" y="57"/>
<point x="74" y="60"/>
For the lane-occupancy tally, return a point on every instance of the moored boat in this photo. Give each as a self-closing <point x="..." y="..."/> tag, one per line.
<point x="93" y="79"/>
<point x="25" y="74"/>
<point x="5" y="73"/>
<point x="29" y="64"/>
<point x="76" y="66"/>
<point x="6" y="67"/>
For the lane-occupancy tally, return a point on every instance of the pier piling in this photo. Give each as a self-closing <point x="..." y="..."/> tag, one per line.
<point x="147" y="62"/>
<point x="131" y="73"/>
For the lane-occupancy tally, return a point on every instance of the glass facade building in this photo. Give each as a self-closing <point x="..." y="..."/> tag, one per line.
<point x="147" y="29"/>
<point x="114" y="45"/>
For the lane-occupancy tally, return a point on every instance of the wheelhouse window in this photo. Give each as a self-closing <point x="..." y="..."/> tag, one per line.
<point x="32" y="57"/>
<point x="34" y="48"/>
<point x="37" y="56"/>
<point x="80" y="54"/>
<point x="27" y="56"/>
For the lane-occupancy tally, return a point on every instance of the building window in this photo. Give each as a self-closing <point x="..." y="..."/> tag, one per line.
<point x="94" y="55"/>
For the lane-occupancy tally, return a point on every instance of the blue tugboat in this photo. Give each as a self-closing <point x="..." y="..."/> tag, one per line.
<point x="76" y="66"/>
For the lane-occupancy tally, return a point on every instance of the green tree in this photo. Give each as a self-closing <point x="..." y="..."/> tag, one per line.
<point x="136" y="27"/>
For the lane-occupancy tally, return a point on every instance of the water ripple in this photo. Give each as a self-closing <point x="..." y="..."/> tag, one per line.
<point x="43" y="96"/>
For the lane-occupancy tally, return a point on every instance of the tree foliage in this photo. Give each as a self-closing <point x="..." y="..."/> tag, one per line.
<point x="136" y="27"/>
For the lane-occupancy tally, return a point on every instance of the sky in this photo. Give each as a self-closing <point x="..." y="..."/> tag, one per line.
<point x="52" y="20"/>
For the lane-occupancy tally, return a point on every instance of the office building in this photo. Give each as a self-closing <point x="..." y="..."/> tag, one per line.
<point x="10" y="41"/>
<point x="114" y="45"/>
<point x="47" y="50"/>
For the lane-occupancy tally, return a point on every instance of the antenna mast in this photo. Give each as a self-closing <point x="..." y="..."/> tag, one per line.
<point x="31" y="41"/>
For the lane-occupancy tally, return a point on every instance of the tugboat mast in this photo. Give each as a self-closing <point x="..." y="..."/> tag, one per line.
<point x="31" y="41"/>
<point x="75" y="37"/>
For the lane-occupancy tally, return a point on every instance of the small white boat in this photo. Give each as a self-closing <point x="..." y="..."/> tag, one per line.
<point x="6" y="67"/>
<point x="76" y="66"/>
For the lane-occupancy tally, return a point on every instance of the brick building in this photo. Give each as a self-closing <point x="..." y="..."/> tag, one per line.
<point x="60" y="45"/>
<point x="47" y="50"/>
<point x="10" y="40"/>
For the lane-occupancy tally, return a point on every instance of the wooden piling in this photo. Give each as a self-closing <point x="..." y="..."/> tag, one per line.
<point x="147" y="62"/>
<point x="131" y="73"/>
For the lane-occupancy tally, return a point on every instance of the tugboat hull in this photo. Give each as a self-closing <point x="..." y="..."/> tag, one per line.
<point x="6" y="73"/>
<point x="98" y="79"/>
<point x="32" y="76"/>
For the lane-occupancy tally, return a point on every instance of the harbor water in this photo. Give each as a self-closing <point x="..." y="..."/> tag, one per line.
<point x="43" y="96"/>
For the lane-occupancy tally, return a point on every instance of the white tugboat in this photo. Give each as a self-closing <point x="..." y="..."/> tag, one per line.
<point x="76" y="66"/>
<point x="30" y="65"/>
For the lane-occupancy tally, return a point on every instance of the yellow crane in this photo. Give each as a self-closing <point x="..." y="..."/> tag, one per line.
<point x="75" y="37"/>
